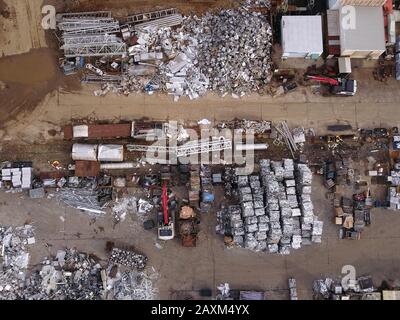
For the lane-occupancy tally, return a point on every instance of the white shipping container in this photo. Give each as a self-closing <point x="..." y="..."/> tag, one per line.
<point x="84" y="152"/>
<point x="81" y="131"/>
<point x="111" y="153"/>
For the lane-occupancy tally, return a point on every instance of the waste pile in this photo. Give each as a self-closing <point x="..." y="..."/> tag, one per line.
<point x="132" y="285"/>
<point x="333" y="289"/>
<point x="258" y="127"/>
<point x="228" y="52"/>
<point x="14" y="259"/>
<point x="234" y="50"/>
<point x="128" y="259"/>
<point x="71" y="275"/>
<point x="86" y="195"/>
<point x="276" y="213"/>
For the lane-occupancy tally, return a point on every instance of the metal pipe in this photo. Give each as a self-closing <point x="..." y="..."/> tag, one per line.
<point x="251" y="146"/>
<point x="118" y="166"/>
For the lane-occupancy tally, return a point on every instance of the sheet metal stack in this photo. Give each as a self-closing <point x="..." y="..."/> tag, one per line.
<point x="276" y="213"/>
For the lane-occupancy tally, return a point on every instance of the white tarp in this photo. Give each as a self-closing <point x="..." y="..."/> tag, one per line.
<point x="84" y="152"/>
<point x="111" y="153"/>
<point x="81" y="131"/>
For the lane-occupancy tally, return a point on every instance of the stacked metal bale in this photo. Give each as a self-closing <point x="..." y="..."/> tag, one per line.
<point x="276" y="213"/>
<point x="255" y="221"/>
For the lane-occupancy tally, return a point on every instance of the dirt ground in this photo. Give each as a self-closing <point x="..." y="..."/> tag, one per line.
<point x="183" y="271"/>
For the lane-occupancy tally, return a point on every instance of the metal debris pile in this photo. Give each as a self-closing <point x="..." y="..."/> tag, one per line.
<point x="258" y="127"/>
<point x="14" y="259"/>
<point x="123" y="207"/>
<point x="234" y="48"/>
<point x="128" y="259"/>
<point x="71" y="275"/>
<point x="334" y="289"/>
<point x="276" y="212"/>
<point x="91" y="200"/>
<point x="132" y="285"/>
<point x="228" y="52"/>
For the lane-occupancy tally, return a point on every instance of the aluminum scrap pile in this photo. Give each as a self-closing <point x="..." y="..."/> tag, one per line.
<point x="14" y="260"/>
<point x="71" y="275"/>
<point x="86" y="199"/>
<point x="124" y="206"/>
<point x="227" y="52"/>
<point x="128" y="259"/>
<point x="234" y="50"/>
<point x="276" y="212"/>
<point x="132" y="285"/>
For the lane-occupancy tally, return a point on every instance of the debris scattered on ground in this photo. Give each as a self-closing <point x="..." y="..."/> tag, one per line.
<point x="92" y="201"/>
<point x="361" y="288"/>
<point x="14" y="260"/>
<point x="132" y="285"/>
<point x="128" y="259"/>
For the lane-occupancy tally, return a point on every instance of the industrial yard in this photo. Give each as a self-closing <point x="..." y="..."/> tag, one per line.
<point x="124" y="133"/>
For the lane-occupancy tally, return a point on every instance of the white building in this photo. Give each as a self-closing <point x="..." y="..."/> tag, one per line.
<point x="367" y="38"/>
<point x="302" y="37"/>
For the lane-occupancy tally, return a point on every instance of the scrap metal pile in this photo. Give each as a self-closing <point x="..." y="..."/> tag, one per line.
<point x="128" y="259"/>
<point x="361" y="288"/>
<point x="276" y="212"/>
<point x="228" y="52"/>
<point x="14" y="259"/>
<point x="71" y="275"/>
<point x="84" y="194"/>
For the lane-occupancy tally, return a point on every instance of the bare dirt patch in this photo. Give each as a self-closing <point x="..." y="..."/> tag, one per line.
<point x="4" y="10"/>
<point x="27" y="79"/>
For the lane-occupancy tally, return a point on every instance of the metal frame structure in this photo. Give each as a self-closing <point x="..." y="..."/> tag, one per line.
<point x="94" y="39"/>
<point x="100" y="29"/>
<point x="96" y="50"/>
<point x="142" y="17"/>
<point x="93" y="78"/>
<point x="84" y="15"/>
<point x="71" y="25"/>
<point x="191" y="148"/>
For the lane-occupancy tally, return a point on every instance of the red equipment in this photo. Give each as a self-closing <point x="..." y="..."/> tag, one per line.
<point x="165" y="203"/>
<point x="333" y="82"/>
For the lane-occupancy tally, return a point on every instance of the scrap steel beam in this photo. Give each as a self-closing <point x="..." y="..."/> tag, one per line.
<point x="96" y="50"/>
<point x="84" y="15"/>
<point x="142" y="17"/>
<point x="91" y="39"/>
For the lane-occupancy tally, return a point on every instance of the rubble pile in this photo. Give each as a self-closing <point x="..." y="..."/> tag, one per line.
<point x="128" y="259"/>
<point x="132" y="285"/>
<point x="71" y="275"/>
<point x="228" y="52"/>
<point x="334" y="289"/>
<point x="276" y="212"/>
<point x="14" y="260"/>
<point x="90" y="200"/>
<point x="124" y="206"/>
<point x="234" y="50"/>
<point x="258" y="127"/>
